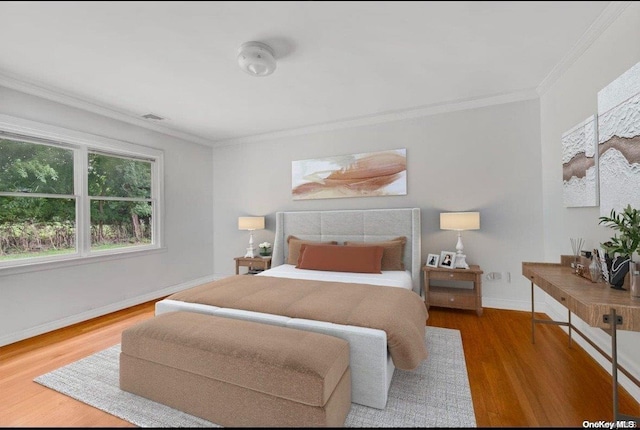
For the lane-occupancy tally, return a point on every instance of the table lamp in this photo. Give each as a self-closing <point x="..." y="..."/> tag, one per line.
<point x="250" y="223"/>
<point x="460" y="221"/>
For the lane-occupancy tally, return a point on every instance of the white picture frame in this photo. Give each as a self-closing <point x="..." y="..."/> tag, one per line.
<point x="447" y="259"/>
<point x="432" y="260"/>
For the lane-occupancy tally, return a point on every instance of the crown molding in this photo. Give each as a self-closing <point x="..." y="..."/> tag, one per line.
<point x="423" y="111"/>
<point x="595" y="30"/>
<point x="113" y="113"/>
<point x="61" y="97"/>
<point x="604" y="20"/>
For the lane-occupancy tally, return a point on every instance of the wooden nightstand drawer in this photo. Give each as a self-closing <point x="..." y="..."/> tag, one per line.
<point x="453" y="275"/>
<point x="465" y="299"/>
<point x="254" y="265"/>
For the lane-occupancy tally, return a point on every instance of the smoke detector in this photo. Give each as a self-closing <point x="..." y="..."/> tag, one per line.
<point x="256" y="59"/>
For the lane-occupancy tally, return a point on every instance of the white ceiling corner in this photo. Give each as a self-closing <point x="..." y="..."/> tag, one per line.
<point x="604" y="20"/>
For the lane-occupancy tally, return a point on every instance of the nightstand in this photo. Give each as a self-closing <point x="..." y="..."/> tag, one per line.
<point x="452" y="297"/>
<point x="255" y="265"/>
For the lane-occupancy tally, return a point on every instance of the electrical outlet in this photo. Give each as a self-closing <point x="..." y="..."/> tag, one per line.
<point x="494" y="276"/>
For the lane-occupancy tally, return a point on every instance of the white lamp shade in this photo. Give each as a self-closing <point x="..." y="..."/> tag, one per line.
<point x="250" y="223"/>
<point x="460" y="221"/>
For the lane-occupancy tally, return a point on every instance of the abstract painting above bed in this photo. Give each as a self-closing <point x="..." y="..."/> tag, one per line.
<point x="357" y="175"/>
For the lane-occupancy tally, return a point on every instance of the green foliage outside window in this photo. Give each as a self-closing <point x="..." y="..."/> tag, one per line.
<point x="46" y="223"/>
<point x="34" y="168"/>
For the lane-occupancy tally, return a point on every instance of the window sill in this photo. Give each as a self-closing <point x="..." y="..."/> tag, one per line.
<point x="97" y="257"/>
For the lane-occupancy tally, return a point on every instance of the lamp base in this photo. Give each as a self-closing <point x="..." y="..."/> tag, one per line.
<point x="460" y="262"/>
<point x="251" y="250"/>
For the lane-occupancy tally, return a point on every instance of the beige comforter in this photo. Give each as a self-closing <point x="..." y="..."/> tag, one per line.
<point x="400" y="313"/>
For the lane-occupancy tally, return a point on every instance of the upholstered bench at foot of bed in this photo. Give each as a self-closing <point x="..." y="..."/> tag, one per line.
<point x="238" y="373"/>
<point x="370" y="363"/>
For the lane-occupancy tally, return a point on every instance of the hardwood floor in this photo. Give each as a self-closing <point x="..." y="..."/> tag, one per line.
<point x="514" y="383"/>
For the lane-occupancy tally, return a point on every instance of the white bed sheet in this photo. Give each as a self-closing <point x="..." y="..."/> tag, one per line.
<point x="390" y="278"/>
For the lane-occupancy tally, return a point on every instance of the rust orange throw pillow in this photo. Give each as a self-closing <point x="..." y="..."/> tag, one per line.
<point x="294" y="247"/>
<point x="393" y="256"/>
<point x="359" y="259"/>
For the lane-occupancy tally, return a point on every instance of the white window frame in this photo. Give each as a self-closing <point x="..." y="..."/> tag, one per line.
<point x="82" y="143"/>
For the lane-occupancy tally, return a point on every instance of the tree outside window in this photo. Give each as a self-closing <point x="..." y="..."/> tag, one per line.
<point x="121" y="204"/>
<point x="41" y="208"/>
<point x="37" y="200"/>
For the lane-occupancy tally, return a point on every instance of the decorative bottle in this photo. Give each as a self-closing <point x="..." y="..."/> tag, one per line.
<point x="594" y="268"/>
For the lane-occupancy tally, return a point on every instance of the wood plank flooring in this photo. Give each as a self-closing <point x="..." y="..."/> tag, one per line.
<point x="514" y="383"/>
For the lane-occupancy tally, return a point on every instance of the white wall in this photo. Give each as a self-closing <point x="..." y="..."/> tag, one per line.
<point x="36" y="302"/>
<point x="571" y="99"/>
<point x="485" y="159"/>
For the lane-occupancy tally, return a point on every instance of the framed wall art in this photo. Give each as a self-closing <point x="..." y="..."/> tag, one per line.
<point x="368" y="174"/>
<point x="579" y="165"/>
<point x="619" y="142"/>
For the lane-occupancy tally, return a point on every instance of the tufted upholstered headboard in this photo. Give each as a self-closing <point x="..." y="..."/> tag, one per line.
<point x="369" y="225"/>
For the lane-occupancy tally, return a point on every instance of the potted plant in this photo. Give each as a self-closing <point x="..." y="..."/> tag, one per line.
<point x="621" y="248"/>
<point x="265" y="249"/>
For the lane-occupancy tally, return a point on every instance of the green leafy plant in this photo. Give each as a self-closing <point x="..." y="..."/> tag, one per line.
<point x="628" y="224"/>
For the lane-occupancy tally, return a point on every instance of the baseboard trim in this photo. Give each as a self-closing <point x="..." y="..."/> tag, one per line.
<point x="512" y="305"/>
<point x="104" y="310"/>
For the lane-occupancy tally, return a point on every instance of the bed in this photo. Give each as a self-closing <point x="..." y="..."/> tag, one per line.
<point x="371" y="362"/>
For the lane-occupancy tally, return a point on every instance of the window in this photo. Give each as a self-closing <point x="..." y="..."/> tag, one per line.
<point x="37" y="200"/>
<point x="121" y="203"/>
<point x="71" y="196"/>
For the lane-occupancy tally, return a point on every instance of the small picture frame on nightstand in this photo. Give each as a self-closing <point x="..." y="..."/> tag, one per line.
<point x="447" y="258"/>
<point x="432" y="260"/>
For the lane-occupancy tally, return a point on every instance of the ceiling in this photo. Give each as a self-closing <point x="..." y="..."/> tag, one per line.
<point x="337" y="61"/>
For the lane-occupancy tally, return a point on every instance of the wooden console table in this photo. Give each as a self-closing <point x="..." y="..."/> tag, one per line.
<point x="596" y="304"/>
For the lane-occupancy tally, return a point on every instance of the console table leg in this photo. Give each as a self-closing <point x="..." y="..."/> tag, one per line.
<point x="533" y="319"/>
<point x="617" y="416"/>
<point x="569" y="318"/>
<point x="614" y="362"/>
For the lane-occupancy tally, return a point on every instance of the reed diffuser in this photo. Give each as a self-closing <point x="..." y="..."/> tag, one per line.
<point x="576" y="246"/>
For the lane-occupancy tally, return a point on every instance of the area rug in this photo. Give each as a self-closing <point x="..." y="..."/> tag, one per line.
<point x="437" y="394"/>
